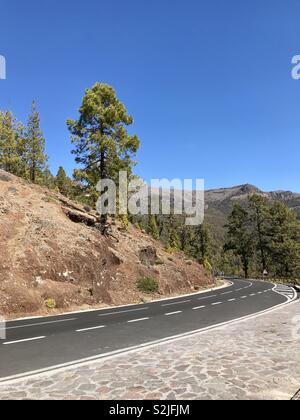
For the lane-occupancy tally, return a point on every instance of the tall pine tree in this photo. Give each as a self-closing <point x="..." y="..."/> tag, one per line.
<point x="259" y="216"/>
<point x="284" y="241"/>
<point x="152" y="227"/>
<point x="103" y="146"/>
<point x="35" y="146"/>
<point x="63" y="182"/>
<point x="240" y="236"/>
<point x="11" y="151"/>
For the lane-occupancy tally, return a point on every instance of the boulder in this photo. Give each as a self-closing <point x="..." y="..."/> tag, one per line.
<point x="148" y="256"/>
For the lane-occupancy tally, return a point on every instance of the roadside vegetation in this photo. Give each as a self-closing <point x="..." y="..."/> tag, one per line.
<point x="265" y="237"/>
<point x="148" y="285"/>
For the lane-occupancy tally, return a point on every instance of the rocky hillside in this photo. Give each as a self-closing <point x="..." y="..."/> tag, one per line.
<point x="54" y="259"/>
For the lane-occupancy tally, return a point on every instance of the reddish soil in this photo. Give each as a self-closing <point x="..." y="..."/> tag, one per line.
<point x="45" y="255"/>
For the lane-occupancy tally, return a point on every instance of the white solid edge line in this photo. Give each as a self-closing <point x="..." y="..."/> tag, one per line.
<point x="91" y="328"/>
<point x="227" y="284"/>
<point x="138" y="320"/>
<point x="24" y="341"/>
<point x="110" y="355"/>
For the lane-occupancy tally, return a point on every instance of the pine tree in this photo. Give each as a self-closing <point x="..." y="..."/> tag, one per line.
<point x="103" y="146"/>
<point x="174" y="241"/>
<point x="284" y="241"/>
<point x="202" y="243"/>
<point x="22" y="169"/>
<point x="48" y="179"/>
<point x="240" y="237"/>
<point x="35" y="146"/>
<point x="152" y="227"/>
<point x="10" y="158"/>
<point x="63" y="182"/>
<point x="259" y="215"/>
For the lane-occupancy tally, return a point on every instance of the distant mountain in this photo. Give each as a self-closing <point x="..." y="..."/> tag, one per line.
<point x="219" y="203"/>
<point x="224" y="198"/>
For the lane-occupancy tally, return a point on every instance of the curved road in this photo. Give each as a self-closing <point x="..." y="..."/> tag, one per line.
<point x="42" y="343"/>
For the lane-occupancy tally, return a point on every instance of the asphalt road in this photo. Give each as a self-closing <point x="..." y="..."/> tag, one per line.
<point x="43" y="343"/>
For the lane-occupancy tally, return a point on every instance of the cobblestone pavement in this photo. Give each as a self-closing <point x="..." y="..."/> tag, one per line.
<point x="255" y="359"/>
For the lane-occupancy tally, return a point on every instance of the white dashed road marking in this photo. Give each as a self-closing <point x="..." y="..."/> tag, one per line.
<point x="199" y="307"/>
<point x="207" y="297"/>
<point x="176" y="303"/>
<point x="174" y="313"/>
<point x="138" y="320"/>
<point x="90" y="329"/>
<point x="41" y="323"/>
<point x="123" y="312"/>
<point x="25" y="340"/>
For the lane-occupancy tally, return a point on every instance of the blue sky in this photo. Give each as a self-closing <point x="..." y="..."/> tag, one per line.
<point x="207" y="81"/>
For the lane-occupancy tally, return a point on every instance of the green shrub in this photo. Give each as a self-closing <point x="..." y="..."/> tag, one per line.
<point x="170" y="250"/>
<point x="207" y="265"/>
<point x="148" y="285"/>
<point x="50" y="303"/>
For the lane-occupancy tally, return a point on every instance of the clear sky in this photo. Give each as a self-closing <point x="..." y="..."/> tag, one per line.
<point x="207" y="81"/>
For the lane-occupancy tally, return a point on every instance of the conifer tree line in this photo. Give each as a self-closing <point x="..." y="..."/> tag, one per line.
<point x="22" y="153"/>
<point x="102" y="146"/>
<point x="195" y="241"/>
<point x="22" y="148"/>
<point x="265" y="237"/>
<point x="262" y="236"/>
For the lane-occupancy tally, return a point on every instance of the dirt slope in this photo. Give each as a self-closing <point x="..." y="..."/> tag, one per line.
<point x="46" y="254"/>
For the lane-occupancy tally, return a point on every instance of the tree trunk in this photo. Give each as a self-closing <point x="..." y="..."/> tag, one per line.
<point x="33" y="173"/>
<point x="261" y="247"/>
<point x="246" y="267"/>
<point x="104" y="227"/>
